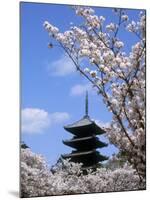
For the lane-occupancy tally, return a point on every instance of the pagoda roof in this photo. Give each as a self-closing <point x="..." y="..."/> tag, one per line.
<point x="77" y="156"/>
<point x="89" y="167"/>
<point x="102" y="158"/>
<point x="74" y="154"/>
<point x="85" y="123"/>
<point x="76" y="142"/>
<point x="78" y="139"/>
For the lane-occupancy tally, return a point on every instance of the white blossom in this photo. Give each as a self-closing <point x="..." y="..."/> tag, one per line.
<point x="111" y="27"/>
<point x="119" y="44"/>
<point x="66" y="177"/>
<point x="84" y="52"/>
<point x="124" y="17"/>
<point x="132" y="27"/>
<point x="87" y="70"/>
<point x="50" y="28"/>
<point x="93" y="73"/>
<point x="102" y="19"/>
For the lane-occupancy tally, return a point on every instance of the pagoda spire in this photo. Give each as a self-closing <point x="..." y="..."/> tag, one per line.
<point x="86" y="104"/>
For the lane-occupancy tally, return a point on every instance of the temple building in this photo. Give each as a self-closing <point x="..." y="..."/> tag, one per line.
<point x="85" y="141"/>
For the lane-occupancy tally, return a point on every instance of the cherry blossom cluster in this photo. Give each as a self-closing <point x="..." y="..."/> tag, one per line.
<point x="37" y="179"/>
<point x="119" y="76"/>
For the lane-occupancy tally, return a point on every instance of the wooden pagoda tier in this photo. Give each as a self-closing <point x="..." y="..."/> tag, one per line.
<point x="85" y="141"/>
<point x="87" y="158"/>
<point x="84" y="127"/>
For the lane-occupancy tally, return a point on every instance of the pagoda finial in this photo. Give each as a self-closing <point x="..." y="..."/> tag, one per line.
<point x="86" y="104"/>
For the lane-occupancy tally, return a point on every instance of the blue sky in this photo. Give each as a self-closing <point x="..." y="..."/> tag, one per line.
<point x="52" y="95"/>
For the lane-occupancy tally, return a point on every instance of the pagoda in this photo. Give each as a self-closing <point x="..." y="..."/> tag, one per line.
<point x="85" y="141"/>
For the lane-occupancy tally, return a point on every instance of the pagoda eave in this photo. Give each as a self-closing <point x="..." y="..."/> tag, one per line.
<point x="85" y="143"/>
<point x="78" y="154"/>
<point x="77" y="139"/>
<point x="101" y="144"/>
<point x="102" y="158"/>
<point x="82" y="126"/>
<point x="78" y="130"/>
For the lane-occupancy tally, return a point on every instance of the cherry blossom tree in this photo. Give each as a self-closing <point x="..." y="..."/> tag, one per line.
<point x="66" y="177"/>
<point x="118" y="76"/>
